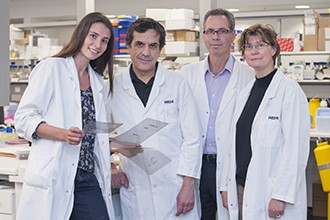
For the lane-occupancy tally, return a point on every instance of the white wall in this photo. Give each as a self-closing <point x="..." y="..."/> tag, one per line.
<point x="4" y="53"/>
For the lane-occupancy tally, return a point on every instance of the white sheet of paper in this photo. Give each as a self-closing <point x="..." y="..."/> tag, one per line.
<point x="150" y="160"/>
<point x="100" y="127"/>
<point x="139" y="133"/>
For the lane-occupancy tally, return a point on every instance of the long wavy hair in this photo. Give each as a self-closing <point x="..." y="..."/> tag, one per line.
<point x="77" y="40"/>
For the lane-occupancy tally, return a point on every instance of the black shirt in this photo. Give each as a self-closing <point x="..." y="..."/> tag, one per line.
<point x="244" y="124"/>
<point x="142" y="90"/>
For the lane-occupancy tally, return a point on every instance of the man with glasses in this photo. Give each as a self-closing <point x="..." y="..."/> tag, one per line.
<point x="215" y="82"/>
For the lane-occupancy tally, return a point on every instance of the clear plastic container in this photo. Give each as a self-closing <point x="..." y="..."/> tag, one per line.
<point x="322" y="117"/>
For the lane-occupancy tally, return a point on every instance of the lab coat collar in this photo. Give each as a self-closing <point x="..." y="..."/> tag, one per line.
<point x="158" y="83"/>
<point x="270" y="93"/>
<point x="230" y="91"/>
<point x="96" y="84"/>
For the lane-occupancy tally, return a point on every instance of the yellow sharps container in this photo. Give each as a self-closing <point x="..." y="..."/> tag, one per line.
<point x="322" y="155"/>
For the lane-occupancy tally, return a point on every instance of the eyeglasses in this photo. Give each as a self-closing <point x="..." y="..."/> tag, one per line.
<point x="220" y="31"/>
<point x="258" y="46"/>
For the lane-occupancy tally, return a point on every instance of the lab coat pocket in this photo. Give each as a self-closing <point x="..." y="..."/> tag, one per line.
<point x="171" y="112"/>
<point x="39" y="173"/>
<point x="270" y="134"/>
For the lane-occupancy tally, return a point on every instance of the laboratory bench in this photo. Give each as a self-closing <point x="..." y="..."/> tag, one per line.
<point x="12" y="171"/>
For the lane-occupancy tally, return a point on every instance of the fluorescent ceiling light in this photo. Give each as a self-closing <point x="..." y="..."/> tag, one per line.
<point x="302" y="6"/>
<point x="233" y="9"/>
<point x="110" y="16"/>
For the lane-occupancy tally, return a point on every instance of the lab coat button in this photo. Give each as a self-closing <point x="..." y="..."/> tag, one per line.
<point x="67" y="191"/>
<point x="231" y="204"/>
<point x="73" y="164"/>
<point x="154" y="185"/>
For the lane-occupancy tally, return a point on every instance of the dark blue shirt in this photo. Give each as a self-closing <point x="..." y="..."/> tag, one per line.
<point x="86" y="158"/>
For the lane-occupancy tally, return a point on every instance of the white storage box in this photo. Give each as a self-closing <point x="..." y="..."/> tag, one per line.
<point x="180" y="24"/>
<point x="180" y="13"/>
<point x="322" y="120"/>
<point x="158" y="14"/>
<point x="181" y="48"/>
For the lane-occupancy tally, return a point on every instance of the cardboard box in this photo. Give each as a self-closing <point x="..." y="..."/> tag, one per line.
<point x="170" y="36"/>
<point x="181" y="35"/>
<point x="311" y="40"/>
<point x="310" y="22"/>
<point x="324" y="39"/>
<point x="185" y="36"/>
<point x="286" y="44"/>
<point x="22" y="41"/>
<point x="320" y="201"/>
<point x="324" y="22"/>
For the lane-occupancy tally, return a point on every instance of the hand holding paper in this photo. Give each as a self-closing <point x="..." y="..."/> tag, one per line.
<point x="100" y="127"/>
<point x="148" y="159"/>
<point x="139" y="133"/>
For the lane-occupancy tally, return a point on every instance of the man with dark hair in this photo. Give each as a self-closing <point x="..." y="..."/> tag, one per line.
<point x="147" y="90"/>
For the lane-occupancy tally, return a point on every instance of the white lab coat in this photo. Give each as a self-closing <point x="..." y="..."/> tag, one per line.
<point x="153" y="197"/>
<point x="280" y="148"/>
<point x="241" y="75"/>
<point x="53" y="96"/>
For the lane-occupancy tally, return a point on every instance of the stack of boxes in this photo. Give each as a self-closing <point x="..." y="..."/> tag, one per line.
<point x="120" y="26"/>
<point x="310" y="22"/>
<point x="181" y="31"/>
<point x="25" y="44"/>
<point x="324" y="34"/>
<point x="316" y="32"/>
<point x="114" y="23"/>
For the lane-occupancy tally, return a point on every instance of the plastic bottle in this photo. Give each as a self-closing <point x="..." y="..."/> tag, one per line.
<point x="2" y="134"/>
<point x="297" y="71"/>
<point x="314" y="104"/>
<point x="289" y="70"/>
<point x="9" y="134"/>
<point x="14" y="71"/>
<point x="322" y="117"/>
<point x="20" y="71"/>
<point x="238" y="35"/>
<point x="323" y="103"/>
<point x="309" y="72"/>
<point x="25" y="73"/>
